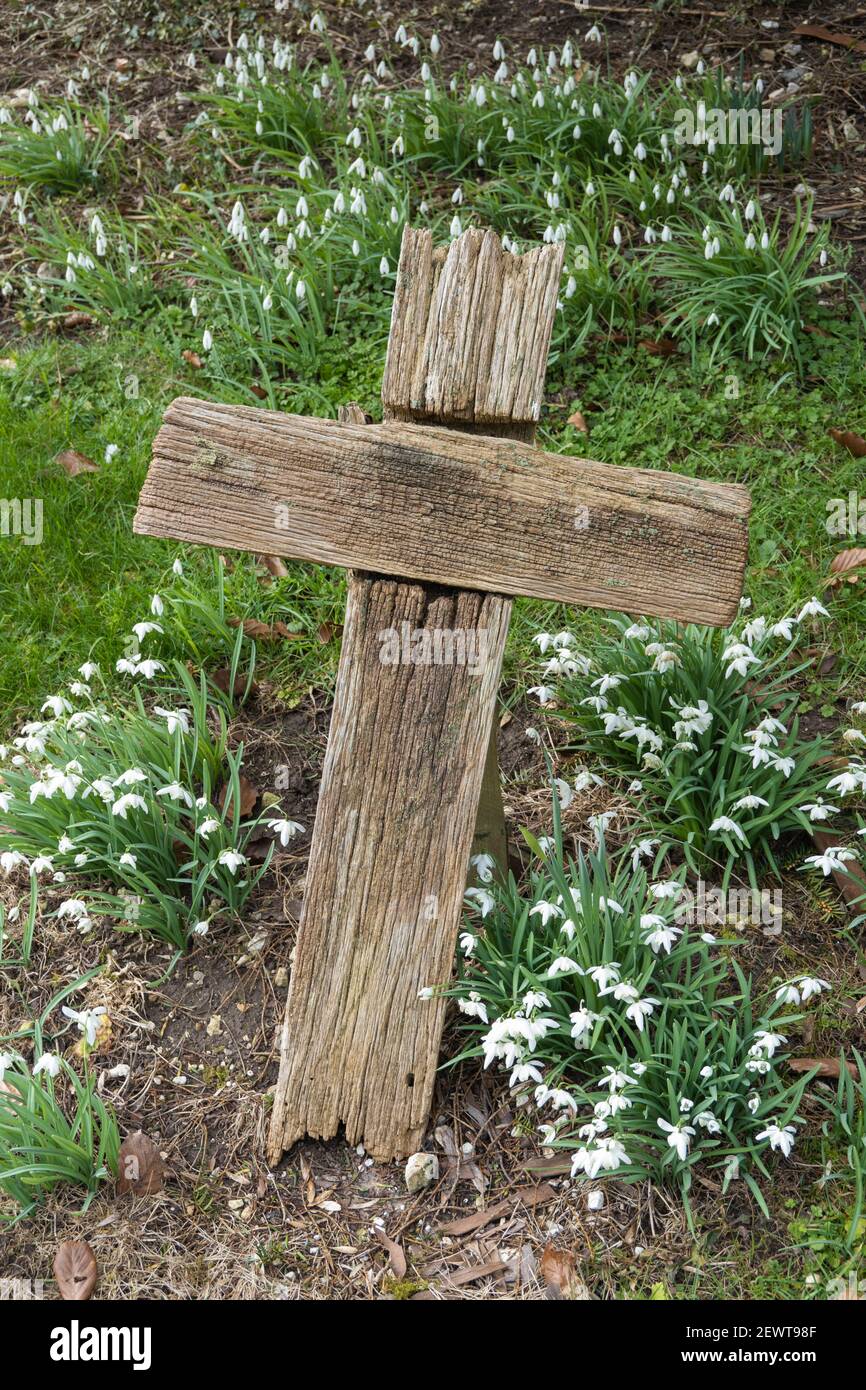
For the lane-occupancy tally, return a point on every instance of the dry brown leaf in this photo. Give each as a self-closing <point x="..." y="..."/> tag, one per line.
<point x="141" y="1167"/>
<point x="75" y="1270"/>
<point x="76" y="319"/>
<point x="533" y="1195"/>
<point x="842" y="564"/>
<point x="579" y="421"/>
<point x="255" y="628"/>
<point x="192" y="358"/>
<point x="854" y="443"/>
<point x="221" y="680"/>
<point x="259" y="392"/>
<point x="396" y="1254"/>
<point x="275" y="566"/>
<point x="73" y="463"/>
<point x="827" y="1066"/>
<point x="468" y="1276"/>
<point x="249" y="795"/>
<point x="559" y="1272"/>
<point x="661" y="347"/>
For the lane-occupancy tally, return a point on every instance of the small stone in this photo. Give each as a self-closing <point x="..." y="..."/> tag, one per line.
<point x="595" y="1200"/>
<point x="421" y="1170"/>
<point x="766" y="55"/>
<point x="214" y="1025"/>
<point x="281" y="977"/>
<point x="691" y="60"/>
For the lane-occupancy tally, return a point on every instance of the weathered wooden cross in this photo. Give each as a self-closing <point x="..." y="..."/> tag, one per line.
<point x="438" y="527"/>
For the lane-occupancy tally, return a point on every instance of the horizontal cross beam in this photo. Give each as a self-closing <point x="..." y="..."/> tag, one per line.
<point x="443" y="506"/>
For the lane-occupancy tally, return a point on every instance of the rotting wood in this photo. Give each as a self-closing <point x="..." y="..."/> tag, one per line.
<point x="448" y="507"/>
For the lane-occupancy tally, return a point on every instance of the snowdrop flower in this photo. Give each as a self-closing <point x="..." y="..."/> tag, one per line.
<point x="208" y="827"/>
<point x="819" y="810"/>
<point x="57" y="705"/>
<point x="110" y="451"/>
<point x="148" y="668"/>
<point x="232" y="860"/>
<point x="780" y="1138"/>
<point x="129" y="802"/>
<point x="661" y="938"/>
<point x="157" y="607"/>
<point x="768" y="1042"/>
<point x="641" y="1010"/>
<point x="563" y="965"/>
<point x="175" y="792"/>
<point x="47" y="1063"/>
<point x="833" y="858"/>
<point x="87" y="1020"/>
<point x="286" y="829"/>
<point x="679" y="1137"/>
<point x="473" y="1007"/>
<point x="593" y="34"/>
<point x="810" y="986"/>
<point x="667" y="889"/>
<point x="72" y="907"/>
<point x="483" y="864"/>
<point x="141" y="630"/>
<point x="583" y="1021"/>
<point x="176" y="719"/>
<point x="484" y="900"/>
<point x="545" y="693"/>
<point x="741" y="657"/>
<point x="88" y="670"/>
<point x="468" y="942"/>
<point x="749" y="803"/>
<point x="725" y="825"/>
<point x="42" y="864"/>
<point x="812" y="609"/>
<point x="128" y="861"/>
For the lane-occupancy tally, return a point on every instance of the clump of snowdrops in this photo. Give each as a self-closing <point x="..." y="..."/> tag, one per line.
<point x="631" y="1036"/>
<point x="54" y="1125"/>
<point x="705" y="723"/>
<point x="542" y="146"/>
<point x="143" y="796"/>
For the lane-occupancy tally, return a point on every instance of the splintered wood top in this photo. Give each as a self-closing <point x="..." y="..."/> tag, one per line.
<point x="467" y="510"/>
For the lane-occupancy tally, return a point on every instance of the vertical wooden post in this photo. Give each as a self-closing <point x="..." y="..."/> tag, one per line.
<point x="410" y="739"/>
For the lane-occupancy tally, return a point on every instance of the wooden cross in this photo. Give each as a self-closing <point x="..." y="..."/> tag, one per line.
<point x="438" y="527"/>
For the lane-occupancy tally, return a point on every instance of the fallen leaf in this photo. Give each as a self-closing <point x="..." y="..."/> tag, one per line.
<point x="76" y="319"/>
<point x="841" y="565"/>
<point x="579" y="422"/>
<point x="817" y="31"/>
<point x="468" y="1276"/>
<point x="395" y="1252"/>
<point x="221" y="680"/>
<point x="662" y="347"/>
<point x="255" y="628"/>
<point x="259" y="392"/>
<point x="74" y="463"/>
<point x="101" y="1042"/>
<point x="192" y="358"/>
<point x="141" y="1167"/>
<point x="827" y="1066"/>
<point x="275" y="566"/>
<point x="325" y="632"/>
<point x="75" y="1270"/>
<point x="854" y="443"/>
<point x="533" y="1195"/>
<point x="249" y="795"/>
<point x="559" y="1273"/>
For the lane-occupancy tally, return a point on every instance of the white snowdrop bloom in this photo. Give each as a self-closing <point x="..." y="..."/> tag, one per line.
<point x="833" y="858"/>
<point x="47" y="1063"/>
<point x="750" y="242"/>
<point x="72" y="907"/>
<point x="679" y="1137"/>
<point x="859" y="708"/>
<point x="788" y="994"/>
<point x="42" y="864"/>
<point x="231" y="859"/>
<point x="546" y="911"/>
<point x="812" y="609"/>
<point x="546" y="695"/>
<point x="810" y="986"/>
<point x="175" y="792"/>
<point x="208" y="827"/>
<point x="482" y="899"/>
<point x="468" y="942"/>
<point x="583" y="1021"/>
<point x="563" y="965"/>
<point x="207" y="340"/>
<point x="640" y="1010"/>
<point x="383" y="266"/>
<point x="650" y="236"/>
<point x="435" y="45"/>
<point x="10" y="859"/>
<point x="285" y="829"/>
<point x="300" y="290"/>
<point x="819" y="810"/>
<point x="532" y="734"/>
<point x="483" y="864"/>
<point x="617" y="236"/>
<point x="779" y="1138"/>
<point x="590" y="189"/>
<point x="148" y="668"/>
<point x="725" y="825"/>
<point x="765" y="241"/>
<point x="130" y="778"/>
<point x="593" y="34"/>
<point x="128" y="860"/>
<point x="87" y="1020"/>
<point x="130" y="801"/>
<point x="88" y="670"/>
<point x="473" y="1007"/>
